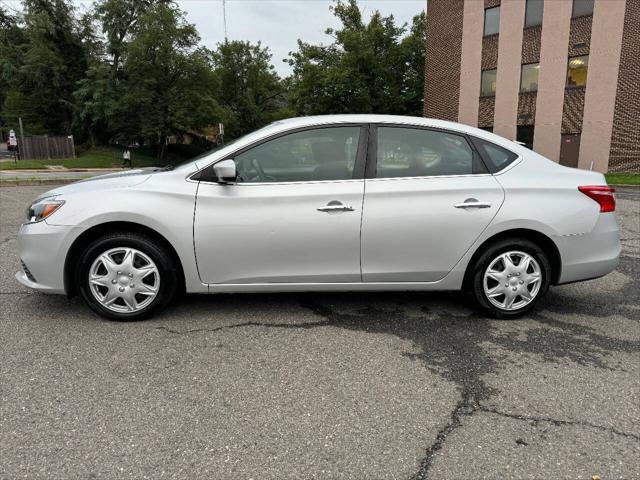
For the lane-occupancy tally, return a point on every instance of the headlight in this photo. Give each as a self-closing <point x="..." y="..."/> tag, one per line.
<point x="43" y="208"/>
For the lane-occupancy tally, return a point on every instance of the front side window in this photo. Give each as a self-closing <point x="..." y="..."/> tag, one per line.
<point x="488" y="83"/>
<point x="582" y="8"/>
<point x="529" y="77"/>
<point x="577" y="71"/>
<point x="413" y="152"/>
<point x="491" y="21"/>
<point x="533" y="13"/>
<point x="309" y="155"/>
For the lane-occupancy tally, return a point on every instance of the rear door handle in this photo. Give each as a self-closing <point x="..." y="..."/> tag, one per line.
<point x="473" y="204"/>
<point x="336" y="207"/>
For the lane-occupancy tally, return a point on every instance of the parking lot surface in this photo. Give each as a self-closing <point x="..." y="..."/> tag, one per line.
<point x="397" y="385"/>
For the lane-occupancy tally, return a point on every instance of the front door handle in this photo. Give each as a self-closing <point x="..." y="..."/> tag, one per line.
<point x="335" y="207"/>
<point x="472" y="203"/>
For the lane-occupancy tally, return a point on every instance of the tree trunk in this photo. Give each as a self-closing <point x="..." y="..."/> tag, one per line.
<point x="163" y="146"/>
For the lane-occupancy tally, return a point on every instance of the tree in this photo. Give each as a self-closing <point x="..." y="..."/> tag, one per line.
<point x="149" y="79"/>
<point x="42" y="60"/>
<point x="99" y="96"/>
<point x="168" y="80"/>
<point x="118" y="19"/>
<point x="413" y="50"/>
<point x="368" y="68"/>
<point x="249" y="90"/>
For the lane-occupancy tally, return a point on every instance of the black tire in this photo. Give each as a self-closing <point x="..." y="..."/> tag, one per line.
<point x="475" y="281"/>
<point x="167" y="268"/>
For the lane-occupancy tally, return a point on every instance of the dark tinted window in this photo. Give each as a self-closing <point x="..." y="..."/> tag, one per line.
<point x="533" y="15"/>
<point x="582" y="7"/>
<point x="525" y="135"/>
<point x="412" y="152"/>
<point x="310" y="155"/>
<point x="495" y="157"/>
<point x="491" y="21"/>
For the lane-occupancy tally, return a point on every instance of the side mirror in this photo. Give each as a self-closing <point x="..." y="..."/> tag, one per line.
<point x="225" y="171"/>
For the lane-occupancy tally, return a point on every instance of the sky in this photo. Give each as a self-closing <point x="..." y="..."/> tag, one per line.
<point x="278" y="24"/>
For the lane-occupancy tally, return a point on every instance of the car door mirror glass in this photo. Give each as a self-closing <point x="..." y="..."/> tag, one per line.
<point x="225" y="171"/>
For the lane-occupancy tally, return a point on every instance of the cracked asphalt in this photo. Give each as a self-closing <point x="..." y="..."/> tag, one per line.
<point x="395" y="385"/>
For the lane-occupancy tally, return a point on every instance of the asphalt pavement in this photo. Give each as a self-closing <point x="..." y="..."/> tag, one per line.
<point x="362" y="386"/>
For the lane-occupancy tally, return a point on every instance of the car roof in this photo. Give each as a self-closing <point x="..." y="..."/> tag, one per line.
<point x="317" y="120"/>
<point x="284" y="125"/>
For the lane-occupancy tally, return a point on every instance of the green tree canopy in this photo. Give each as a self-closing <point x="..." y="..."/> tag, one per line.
<point x="43" y="56"/>
<point x="368" y="68"/>
<point x="250" y="91"/>
<point x="134" y="70"/>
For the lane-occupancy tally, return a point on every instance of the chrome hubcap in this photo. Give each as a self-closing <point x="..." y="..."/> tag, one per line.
<point x="124" y="280"/>
<point x="512" y="280"/>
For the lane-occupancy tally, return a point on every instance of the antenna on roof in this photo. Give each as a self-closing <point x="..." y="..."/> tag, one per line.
<point x="224" y="18"/>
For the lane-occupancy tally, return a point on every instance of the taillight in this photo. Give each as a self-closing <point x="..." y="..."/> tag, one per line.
<point x="603" y="194"/>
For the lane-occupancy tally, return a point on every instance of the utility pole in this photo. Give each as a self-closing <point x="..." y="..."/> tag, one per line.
<point x="224" y="18"/>
<point x="21" y="139"/>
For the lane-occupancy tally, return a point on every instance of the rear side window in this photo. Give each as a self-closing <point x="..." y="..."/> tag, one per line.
<point x="494" y="156"/>
<point x="413" y="152"/>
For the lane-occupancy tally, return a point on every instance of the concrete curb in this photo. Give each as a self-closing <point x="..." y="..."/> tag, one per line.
<point x="31" y="182"/>
<point x="63" y="170"/>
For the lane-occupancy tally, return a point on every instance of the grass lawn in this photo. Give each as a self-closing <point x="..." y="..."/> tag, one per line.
<point x="99" y="157"/>
<point x="623" y="178"/>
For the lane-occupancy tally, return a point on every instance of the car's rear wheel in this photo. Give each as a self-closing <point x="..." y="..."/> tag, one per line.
<point x="126" y="276"/>
<point x="510" y="277"/>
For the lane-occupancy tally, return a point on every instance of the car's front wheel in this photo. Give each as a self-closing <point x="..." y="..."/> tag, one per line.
<point x="126" y="276"/>
<point x="510" y="277"/>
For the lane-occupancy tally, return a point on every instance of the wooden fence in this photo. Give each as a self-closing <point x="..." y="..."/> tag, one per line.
<point x="44" y="147"/>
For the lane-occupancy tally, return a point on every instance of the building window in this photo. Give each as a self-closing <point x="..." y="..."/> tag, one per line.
<point x="491" y="21"/>
<point x="525" y="135"/>
<point x="582" y="8"/>
<point x="533" y="15"/>
<point x="529" y="77"/>
<point x="488" y="83"/>
<point x="577" y="71"/>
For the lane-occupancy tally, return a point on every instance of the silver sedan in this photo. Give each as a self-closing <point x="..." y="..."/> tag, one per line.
<point x="330" y="203"/>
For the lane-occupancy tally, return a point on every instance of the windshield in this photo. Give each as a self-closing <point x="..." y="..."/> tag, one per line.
<point x="216" y="148"/>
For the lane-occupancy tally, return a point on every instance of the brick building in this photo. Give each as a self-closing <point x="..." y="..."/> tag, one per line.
<point x="562" y="76"/>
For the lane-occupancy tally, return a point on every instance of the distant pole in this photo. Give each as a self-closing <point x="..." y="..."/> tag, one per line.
<point x="46" y="142"/>
<point x="73" y="146"/>
<point x="21" y="138"/>
<point x="224" y="18"/>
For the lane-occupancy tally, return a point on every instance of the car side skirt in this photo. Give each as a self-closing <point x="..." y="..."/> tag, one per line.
<point x="331" y="287"/>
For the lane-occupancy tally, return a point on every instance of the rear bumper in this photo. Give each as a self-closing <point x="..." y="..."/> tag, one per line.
<point x="43" y="249"/>
<point x="590" y="255"/>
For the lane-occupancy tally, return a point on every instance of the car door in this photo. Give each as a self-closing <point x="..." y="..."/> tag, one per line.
<point x="293" y="214"/>
<point x="428" y="198"/>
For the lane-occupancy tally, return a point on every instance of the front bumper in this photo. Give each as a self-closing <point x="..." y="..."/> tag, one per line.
<point x="43" y="250"/>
